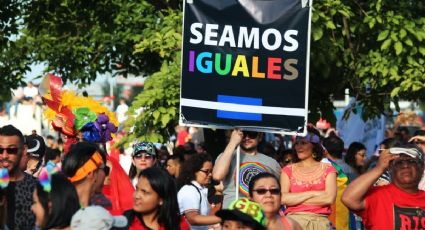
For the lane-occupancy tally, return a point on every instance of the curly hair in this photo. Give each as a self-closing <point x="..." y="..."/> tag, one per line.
<point x="191" y="167"/>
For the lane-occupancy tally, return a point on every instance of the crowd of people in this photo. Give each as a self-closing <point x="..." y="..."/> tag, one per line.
<point x="316" y="184"/>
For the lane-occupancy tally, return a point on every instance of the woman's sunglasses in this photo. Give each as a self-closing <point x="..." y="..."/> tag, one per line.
<point x="262" y="191"/>
<point x="139" y="156"/>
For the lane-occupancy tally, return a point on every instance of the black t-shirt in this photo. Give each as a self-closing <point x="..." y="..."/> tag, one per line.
<point x="19" y="201"/>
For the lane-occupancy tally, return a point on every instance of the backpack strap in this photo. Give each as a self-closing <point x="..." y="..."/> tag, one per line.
<point x="200" y="195"/>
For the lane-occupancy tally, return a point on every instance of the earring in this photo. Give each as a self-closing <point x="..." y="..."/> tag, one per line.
<point x="314" y="155"/>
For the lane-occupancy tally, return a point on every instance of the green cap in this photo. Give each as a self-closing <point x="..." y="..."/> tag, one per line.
<point x="246" y="211"/>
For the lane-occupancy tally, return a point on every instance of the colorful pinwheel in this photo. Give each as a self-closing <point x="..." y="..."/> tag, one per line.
<point x="4" y="178"/>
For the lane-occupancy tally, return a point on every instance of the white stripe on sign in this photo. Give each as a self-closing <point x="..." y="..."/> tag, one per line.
<point x="242" y="108"/>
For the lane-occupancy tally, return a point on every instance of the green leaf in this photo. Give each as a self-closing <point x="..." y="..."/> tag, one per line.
<point x="403" y="33"/>
<point x="422" y="50"/>
<point x="395" y="92"/>
<point x="317" y="34"/>
<point x="330" y="25"/>
<point x="372" y="23"/>
<point x="156" y="114"/>
<point x="165" y="119"/>
<point x="383" y="35"/>
<point x="394" y="36"/>
<point x="344" y="13"/>
<point x="386" y="44"/>
<point x="408" y="42"/>
<point x="398" y="47"/>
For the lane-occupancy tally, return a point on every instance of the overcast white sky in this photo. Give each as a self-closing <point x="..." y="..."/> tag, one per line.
<point x="35" y="71"/>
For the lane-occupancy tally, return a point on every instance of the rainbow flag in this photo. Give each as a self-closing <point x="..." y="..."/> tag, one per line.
<point x="341" y="217"/>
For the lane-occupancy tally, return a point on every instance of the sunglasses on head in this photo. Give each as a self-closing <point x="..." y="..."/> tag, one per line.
<point x="262" y="191"/>
<point x="10" y="150"/>
<point x="141" y="155"/>
<point x="250" y="134"/>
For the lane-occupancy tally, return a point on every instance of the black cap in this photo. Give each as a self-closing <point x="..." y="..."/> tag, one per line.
<point x="36" y="146"/>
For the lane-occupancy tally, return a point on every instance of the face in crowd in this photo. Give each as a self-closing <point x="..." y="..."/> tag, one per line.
<point x="11" y="151"/>
<point x="265" y="190"/>
<point x="173" y="167"/>
<point x="146" y="200"/>
<point x="204" y="175"/>
<point x="406" y="171"/>
<point x="304" y="149"/>
<point x="143" y="160"/>
<point x="250" y="141"/>
<point x="144" y="155"/>
<point x="360" y="157"/>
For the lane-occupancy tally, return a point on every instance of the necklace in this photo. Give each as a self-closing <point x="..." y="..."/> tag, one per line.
<point x="307" y="174"/>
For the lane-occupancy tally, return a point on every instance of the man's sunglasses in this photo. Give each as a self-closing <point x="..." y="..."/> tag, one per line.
<point x="262" y="191"/>
<point x="419" y="142"/>
<point x="250" y="134"/>
<point x="408" y="162"/>
<point x="10" y="150"/>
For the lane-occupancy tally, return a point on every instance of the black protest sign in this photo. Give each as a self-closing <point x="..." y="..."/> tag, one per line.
<point x="245" y="64"/>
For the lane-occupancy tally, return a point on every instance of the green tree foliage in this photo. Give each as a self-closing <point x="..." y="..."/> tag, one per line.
<point x="14" y="56"/>
<point x="375" y="48"/>
<point x="160" y="99"/>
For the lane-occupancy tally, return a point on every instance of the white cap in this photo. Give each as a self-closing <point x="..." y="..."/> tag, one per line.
<point x="96" y="218"/>
<point x="412" y="152"/>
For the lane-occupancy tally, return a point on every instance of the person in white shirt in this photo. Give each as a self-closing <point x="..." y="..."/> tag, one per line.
<point x="30" y="91"/>
<point x="193" y="202"/>
<point x="121" y="111"/>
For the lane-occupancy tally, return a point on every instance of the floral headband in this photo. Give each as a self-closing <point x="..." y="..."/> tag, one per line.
<point x="45" y="176"/>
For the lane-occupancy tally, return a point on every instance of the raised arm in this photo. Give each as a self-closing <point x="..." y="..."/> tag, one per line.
<point x="222" y="165"/>
<point x="353" y="196"/>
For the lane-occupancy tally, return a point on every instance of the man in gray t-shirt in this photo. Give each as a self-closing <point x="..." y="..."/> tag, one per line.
<point x="251" y="163"/>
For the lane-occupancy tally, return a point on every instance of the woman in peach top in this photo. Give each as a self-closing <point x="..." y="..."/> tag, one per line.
<point x="309" y="186"/>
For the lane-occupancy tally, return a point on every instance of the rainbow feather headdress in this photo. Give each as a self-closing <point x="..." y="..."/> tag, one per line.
<point x="76" y="116"/>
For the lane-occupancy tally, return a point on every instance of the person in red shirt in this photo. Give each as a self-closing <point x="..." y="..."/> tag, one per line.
<point x="155" y="203"/>
<point x="398" y="205"/>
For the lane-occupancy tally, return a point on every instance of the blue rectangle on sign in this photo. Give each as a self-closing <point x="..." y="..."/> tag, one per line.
<point x="242" y="101"/>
